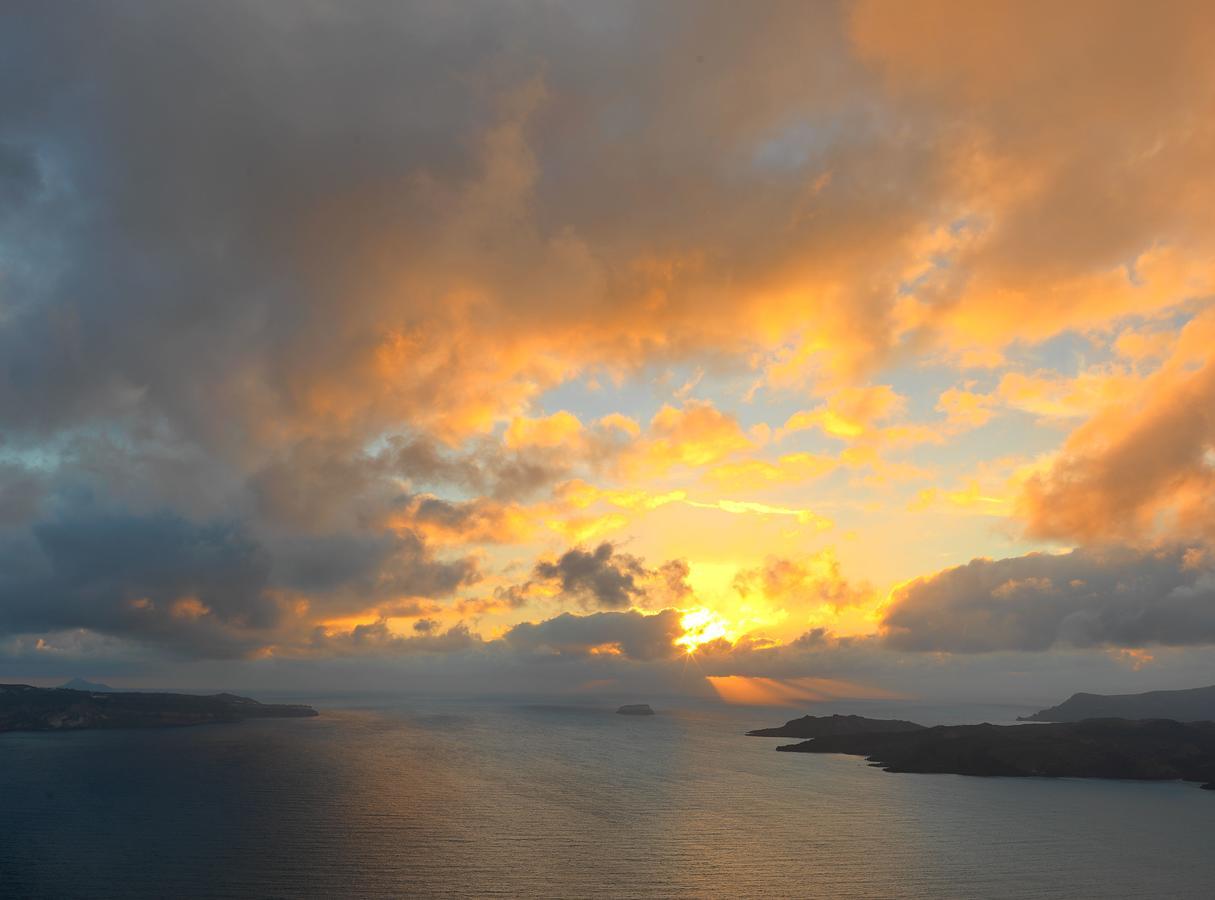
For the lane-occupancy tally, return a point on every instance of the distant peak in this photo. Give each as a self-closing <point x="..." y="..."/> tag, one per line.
<point x="80" y="684"/>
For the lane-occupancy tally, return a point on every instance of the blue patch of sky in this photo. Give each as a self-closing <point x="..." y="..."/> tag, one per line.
<point x="1067" y="354"/>
<point x="41" y="457"/>
<point x="596" y="395"/>
<point x="795" y="144"/>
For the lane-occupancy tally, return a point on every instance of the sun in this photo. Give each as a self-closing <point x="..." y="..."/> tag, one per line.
<point x="701" y="626"/>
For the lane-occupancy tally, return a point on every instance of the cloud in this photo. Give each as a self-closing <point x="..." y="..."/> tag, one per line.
<point x="850" y="412"/>
<point x="600" y="577"/>
<point x="1140" y="469"/>
<point x="1053" y="397"/>
<point x="193" y="588"/>
<point x="789" y="468"/>
<point x="632" y="634"/>
<point x="310" y="293"/>
<point x="482" y="520"/>
<point x="561" y="429"/>
<point x="863" y="195"/>
<point x="1057" y="195"/>
<point x="362" y="569"/>
<point x="965" y="408"/>
<point x="205" y="588"/>
<point x="377" y="639"/>
<point x="693" y="435"/>
<point x="21" y="493"/>
<point x="807" y="583"/>
<point x="1116" y="597"/>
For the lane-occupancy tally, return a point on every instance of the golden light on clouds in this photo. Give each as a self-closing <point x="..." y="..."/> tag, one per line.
<point x="872" y="294"/>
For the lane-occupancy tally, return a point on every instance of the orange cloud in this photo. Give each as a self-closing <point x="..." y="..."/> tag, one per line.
<point x="965" y="408"/>
<point x="850" y="412"/>
<point x="1055" y="397"/>
<point x="561" y="429"/>
<point x="1143" y="467"/>
<point x="788" y="468"/>
<point x="476" y="521"/>
<point x="694" y="435"/>
<point x="803" y="516"/>
<point x="1135" y="471"/>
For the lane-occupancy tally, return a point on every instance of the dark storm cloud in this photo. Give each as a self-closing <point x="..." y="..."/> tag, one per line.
<point x="21" y="493"/>
<point x="184" y="141"/>
<point x="377" y="565"/>
<point x="486" y="468"/>
<point x="1117" y="597"/>
<point x="262" y="217"/>
<point x="20" y="177"/>
<point x="197" y="589"/>
<point x="203" y="589"/>
<point x="631" y="634"/>
<point x="601" y="577"/>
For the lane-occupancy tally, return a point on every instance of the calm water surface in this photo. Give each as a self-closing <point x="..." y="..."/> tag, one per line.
<point x="429" y="798"/>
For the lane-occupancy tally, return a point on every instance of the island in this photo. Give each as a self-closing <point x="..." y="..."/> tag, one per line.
<point x="822" y="726"/>
<point x="1154" y="749"/>
<point x="635" y="709"/>
<point x="1190" y="705"/>
<point x="26" y="708"/>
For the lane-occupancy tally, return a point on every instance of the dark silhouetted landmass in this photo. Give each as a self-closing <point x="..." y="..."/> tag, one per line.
<point x="79" y="684"/>
<point x="1155" y="749"/>
<point x="821" y="726"/>
<point x="25" y="708"/>
<point x="635" y="709"/>
<point x="1192" y="705"/>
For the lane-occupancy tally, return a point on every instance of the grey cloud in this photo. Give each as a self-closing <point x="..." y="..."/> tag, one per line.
<point x="317" y="485"/>
<point x="479" y="520"/>
<point x="413" y="571"/>
<point x="20" y="177"/>
<point x="487" y="467"/>
<point x="675" y="573"/>
<point x="319" y="563"/>
<point x="197" y="589"/>
<point x="1089" y="597"/>
<point x="255" y="196"/>
<point x="636" y="635"/>
<point x="21" y="493"/>
<point x="601" y="577"/>
<point x="376" y="638"/>
<point x="204" y="589"/>
<point x="345" y="573"/>
<point x="418" y="457"/>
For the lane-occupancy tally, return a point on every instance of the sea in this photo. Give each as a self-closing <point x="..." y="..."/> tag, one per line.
<point x="522" y="797"/>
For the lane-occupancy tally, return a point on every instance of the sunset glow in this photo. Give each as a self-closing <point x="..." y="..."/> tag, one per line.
<point x="700" y="626"/>
<point x="449" y="447"/>
<point x="875" y="347"/>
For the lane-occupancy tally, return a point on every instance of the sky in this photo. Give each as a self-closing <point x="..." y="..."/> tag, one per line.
<point x="771" y="353"/>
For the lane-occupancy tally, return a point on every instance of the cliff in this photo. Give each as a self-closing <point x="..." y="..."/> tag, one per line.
<point x="1096" y="748"/>
<point x="1192" y="705"/>
<point x="822" y="726"/>
<point x="25" y="708"/>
